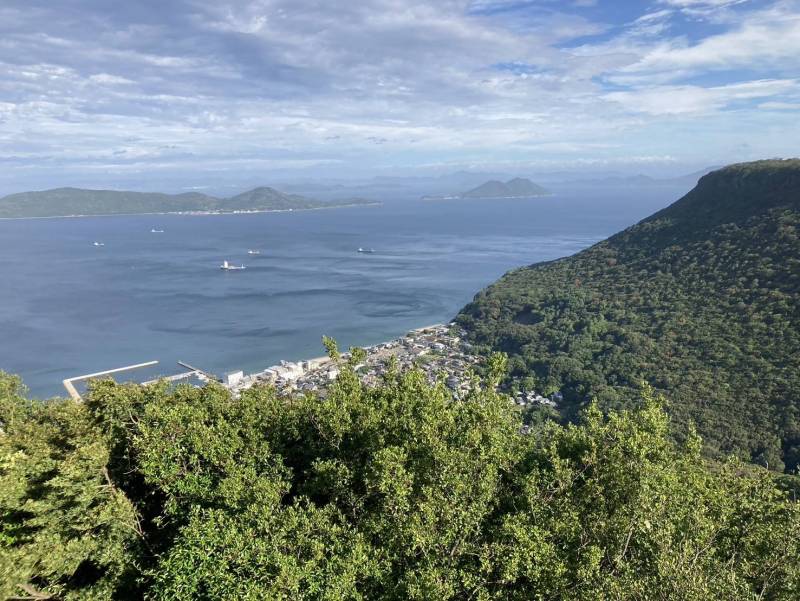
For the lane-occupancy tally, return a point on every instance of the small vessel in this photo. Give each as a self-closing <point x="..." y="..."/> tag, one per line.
<point x="98" y="244"/>
<point x="155" y="231"/>
<point x="368" y="251"/>
<point x="228" y="267"/>
<point x="253" y="252"/>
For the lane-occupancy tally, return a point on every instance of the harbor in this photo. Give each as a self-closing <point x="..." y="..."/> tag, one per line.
<point x="439" y="351"/>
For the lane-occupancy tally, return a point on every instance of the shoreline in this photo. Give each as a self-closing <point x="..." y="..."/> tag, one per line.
<point x="201" y="213"/>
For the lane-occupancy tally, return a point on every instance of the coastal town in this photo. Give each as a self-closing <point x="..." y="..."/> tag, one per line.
<point x="439" y="351"/>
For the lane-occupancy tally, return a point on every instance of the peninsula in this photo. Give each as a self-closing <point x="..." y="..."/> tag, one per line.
<point x="78" y="202"/>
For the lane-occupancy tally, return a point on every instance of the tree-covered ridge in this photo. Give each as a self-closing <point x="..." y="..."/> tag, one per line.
<point x="392" y="492"/>
<point x="65" y="202"/>
<point x="702" y="300"/>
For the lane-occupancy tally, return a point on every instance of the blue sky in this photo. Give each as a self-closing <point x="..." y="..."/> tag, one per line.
<point x="190" y="93"/>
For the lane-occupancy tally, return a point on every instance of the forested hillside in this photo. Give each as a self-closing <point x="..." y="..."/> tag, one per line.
<point x="701" y="300"/>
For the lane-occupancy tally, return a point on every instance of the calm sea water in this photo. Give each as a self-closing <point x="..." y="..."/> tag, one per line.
<point x="70" y="308"/>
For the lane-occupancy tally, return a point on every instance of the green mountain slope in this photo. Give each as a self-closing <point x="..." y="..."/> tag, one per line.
<point x="62" y="202"/>
<point x="701" y="299"/>
<point x="269" y="198"/>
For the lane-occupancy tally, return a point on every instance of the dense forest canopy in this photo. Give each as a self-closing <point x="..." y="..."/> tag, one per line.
<point x="701" y="300"/>
<point x="392" y="492"/>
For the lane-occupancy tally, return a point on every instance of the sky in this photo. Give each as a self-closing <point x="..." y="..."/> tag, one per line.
<point x="190" y="94"/>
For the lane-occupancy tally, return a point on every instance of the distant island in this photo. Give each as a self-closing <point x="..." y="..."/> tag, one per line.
<point x="77" y="202"/>
<point x="519" y="187"/>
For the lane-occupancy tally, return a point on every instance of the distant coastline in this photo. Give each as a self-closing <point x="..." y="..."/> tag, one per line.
<point x="203" y="213"/>
<point x="82" y="202"/>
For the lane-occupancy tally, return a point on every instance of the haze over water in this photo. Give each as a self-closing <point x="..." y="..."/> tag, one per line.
<point x="72" y="308"/>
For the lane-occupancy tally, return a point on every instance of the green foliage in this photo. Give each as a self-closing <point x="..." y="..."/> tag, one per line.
<point x="65" y="527"/>
<point x="357" y="355"/>
<point x="613" y="510"/>
<point x="331" y="347"/>
<point x="392" y="492"/>
<point x="702" y="300"/>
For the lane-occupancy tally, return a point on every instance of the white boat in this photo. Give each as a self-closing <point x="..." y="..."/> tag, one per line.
<point x="155" y="231"/>
<point x="98" y="244"/>
<point x="228" y="267"/>
<point x="368" y="251"/>
<point x="253" y="252"/>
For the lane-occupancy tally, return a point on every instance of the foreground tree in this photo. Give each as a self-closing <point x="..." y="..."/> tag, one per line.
<point x="392" y="492"/>
<point x="66" y="529"/>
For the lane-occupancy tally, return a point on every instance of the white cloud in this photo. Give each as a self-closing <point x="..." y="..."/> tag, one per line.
<point x="293" y="83"/>
<point x="108" y="79"/>
<point x="702" y="3"/>
<point x="765" y="39"/>
<point x="696" y="100"/>
<point x="780" y="106"/>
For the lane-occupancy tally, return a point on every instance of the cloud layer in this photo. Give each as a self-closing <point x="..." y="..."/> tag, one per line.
<point x="231" y="90"/>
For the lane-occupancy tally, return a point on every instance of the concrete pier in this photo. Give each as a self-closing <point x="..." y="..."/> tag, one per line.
<point x="73" y="392"/>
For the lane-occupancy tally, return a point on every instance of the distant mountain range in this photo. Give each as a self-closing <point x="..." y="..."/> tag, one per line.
<point x="640" y="181"/>
<point x="518" y="187"/>
<point x="69" y="202"/>
<point x="451" y="185"/>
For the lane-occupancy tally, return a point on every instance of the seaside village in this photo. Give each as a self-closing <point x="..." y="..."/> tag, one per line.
<point x="440" y="351"/>
<point x="436" y="350"/>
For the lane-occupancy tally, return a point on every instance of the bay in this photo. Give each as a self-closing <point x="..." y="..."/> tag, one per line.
<point x="69" y="307"/>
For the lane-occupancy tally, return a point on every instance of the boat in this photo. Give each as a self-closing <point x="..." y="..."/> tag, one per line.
<point x="253" y="252"/>
<point x="228" y="267"/>
<point x="155" y="231"/>
<point x="368" y="251"/>
<point x="98" y="244"/>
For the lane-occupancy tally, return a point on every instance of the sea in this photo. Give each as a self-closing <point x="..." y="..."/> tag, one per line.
<point x="70" y="307"/>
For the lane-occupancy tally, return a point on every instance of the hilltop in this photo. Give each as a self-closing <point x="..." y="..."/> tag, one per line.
<point x="270" y="198"/>
<point x="702" y="300"/>
<point x="66" y="202"/>
<point x="514" y="188"/>
<point x="518" y="187"/>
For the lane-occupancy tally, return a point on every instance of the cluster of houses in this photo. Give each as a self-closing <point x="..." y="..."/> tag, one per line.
<point x="287" y="376"/>
<point x="439" y="351"/>
<point x="436" y="350"/>
<point x="528" y="398"/>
